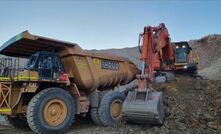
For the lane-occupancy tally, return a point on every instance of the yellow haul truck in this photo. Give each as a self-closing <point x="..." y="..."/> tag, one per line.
<point x="59" y="81"/>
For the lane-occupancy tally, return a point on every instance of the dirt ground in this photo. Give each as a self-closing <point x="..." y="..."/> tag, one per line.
<point x="189" y="109"/>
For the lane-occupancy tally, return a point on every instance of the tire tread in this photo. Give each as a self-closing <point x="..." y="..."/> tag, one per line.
<point x="37" y="99"/>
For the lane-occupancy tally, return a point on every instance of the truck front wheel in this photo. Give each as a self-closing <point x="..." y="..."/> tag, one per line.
<point x="51" y="111"/>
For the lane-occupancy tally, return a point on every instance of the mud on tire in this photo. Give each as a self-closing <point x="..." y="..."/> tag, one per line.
<point x="105" y="110"/>
<point x="36" y="111"/>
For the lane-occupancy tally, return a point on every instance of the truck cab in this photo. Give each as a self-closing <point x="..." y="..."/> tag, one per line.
<point x="47" y="64"/>
<point x="41" y="66"/>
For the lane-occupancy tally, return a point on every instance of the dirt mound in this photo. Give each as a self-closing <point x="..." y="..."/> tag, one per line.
<point x="213" y="72"/>
<point x="190" y="105"/>
<point x="189" y="108"/>
<point x="208" y="49"/>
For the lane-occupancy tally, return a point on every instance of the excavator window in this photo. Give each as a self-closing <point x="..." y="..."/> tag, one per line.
<point x="182" y="50"/>
<point x="181" y="55"/>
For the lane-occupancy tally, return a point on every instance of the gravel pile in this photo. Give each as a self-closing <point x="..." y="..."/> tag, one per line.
<point x="190" y="106"/>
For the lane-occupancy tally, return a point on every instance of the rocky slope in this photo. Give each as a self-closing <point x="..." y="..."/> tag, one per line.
<point x="209" y="50"/>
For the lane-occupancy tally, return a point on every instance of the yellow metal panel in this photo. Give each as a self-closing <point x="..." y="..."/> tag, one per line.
<point x="181" y="63"/>
<point x="5" y="110"/>
<point x="4" y="78"/>
<point x="25" y="78"/>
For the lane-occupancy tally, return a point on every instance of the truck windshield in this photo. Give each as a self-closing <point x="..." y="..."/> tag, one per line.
<point x="32" y="61"/>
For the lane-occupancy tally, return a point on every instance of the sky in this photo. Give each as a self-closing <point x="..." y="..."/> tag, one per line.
<point x="100" y="24"/>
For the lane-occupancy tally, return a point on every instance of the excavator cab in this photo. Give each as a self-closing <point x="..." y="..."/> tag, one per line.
<point x="182" y="50"/>
<point x="184" y="59"/>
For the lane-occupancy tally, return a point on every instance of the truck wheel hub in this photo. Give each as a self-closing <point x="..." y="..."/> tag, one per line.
<point x="55" y="112"/>
<point x="116" y="107"/>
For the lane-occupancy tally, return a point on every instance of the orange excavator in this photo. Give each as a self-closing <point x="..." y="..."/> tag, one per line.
<point x="158" y="56"/>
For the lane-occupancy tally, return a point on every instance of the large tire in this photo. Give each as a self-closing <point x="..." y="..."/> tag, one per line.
<point x="18" y="122"/>
<point x="94" y="111"/>
<point x="51" y="111"/>
<point x="105" y="110"/>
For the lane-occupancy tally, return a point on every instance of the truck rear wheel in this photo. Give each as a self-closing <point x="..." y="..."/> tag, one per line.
<point x="18" y="122"/>
<point x="110" y="108"/>
<point x="51" y="111"/>
<point x="94" y="111"/>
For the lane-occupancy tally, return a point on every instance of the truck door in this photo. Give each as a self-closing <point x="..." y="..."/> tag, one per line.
<point x="58" y="68"/>
<point x="46" y="66"/>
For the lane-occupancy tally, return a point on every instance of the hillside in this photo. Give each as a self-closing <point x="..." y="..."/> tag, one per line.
<point x="130" y="53"/>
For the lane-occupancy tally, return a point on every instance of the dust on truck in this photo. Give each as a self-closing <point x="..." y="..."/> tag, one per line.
<point x="59" y="81"/>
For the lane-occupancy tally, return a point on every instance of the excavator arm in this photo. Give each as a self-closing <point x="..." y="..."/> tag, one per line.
<point x="144" y="104"/>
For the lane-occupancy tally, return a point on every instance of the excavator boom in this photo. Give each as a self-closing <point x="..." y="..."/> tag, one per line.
<point x="144" y="104"/>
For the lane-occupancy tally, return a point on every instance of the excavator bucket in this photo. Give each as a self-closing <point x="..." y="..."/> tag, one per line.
<point x="143" y="107"/>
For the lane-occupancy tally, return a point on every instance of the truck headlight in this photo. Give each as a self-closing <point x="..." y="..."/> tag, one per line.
<point x="185" y="67"/>
<point x="183" y="46"/>
<point x="177" y="46"/>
